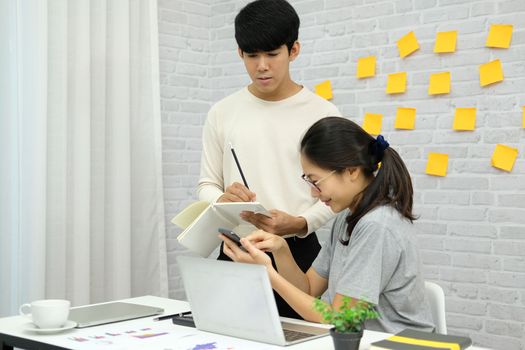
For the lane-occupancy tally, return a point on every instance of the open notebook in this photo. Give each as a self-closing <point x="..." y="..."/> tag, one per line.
<point x="201" y="220"/>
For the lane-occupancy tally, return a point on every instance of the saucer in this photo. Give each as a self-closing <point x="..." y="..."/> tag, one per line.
<point x="33" y="328"/>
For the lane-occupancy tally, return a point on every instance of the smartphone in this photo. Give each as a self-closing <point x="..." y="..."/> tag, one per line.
<point x="184" y="320"/>
<point x="231" y="235"/>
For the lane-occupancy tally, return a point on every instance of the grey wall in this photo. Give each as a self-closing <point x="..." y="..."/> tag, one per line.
<point x="472" y="222"/>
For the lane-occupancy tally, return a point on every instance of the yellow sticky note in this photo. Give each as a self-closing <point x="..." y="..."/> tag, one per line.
<point x="499" y="36"/>
<point x="373" y="123"/>
<point x="407" y="44"/>
<point x="490" y="73"/>
<point x="366" y="67"/>
<point x="439" y="83"/>
<point x="437" y="164"/>
<point x="446" y="42"/>
<point x="405" y="118"/>
<point x="396" y="83"/>
<point x="465" y="119"/>
<point x="504" y="157"/>
<point x="324" y="90"/>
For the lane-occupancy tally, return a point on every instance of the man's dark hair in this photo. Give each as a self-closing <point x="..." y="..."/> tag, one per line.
<point x="265" y="25"/>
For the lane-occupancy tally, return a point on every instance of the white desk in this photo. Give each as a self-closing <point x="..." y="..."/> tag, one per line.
<point x="144" y="333"/>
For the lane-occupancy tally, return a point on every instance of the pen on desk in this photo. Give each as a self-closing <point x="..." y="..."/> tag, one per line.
<point x="238" y="166"/>
<point x="165" y="317"/>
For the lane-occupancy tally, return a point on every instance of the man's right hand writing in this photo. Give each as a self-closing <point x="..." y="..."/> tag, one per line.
<point x="237" y="192"/>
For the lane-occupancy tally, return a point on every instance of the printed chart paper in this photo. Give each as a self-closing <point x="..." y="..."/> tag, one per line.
<point x="161" y="335"/>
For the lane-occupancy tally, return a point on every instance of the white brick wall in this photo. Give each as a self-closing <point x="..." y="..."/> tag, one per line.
<point x="472" y="222"/>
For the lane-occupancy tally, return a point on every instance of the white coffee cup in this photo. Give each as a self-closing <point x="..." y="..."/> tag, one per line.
<point x="48" y="313"/>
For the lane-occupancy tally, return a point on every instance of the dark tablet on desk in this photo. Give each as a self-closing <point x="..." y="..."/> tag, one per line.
<point x="94" y="315"/>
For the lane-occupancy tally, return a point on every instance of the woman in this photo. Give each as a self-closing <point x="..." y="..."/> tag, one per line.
<point x="372" y="254"/>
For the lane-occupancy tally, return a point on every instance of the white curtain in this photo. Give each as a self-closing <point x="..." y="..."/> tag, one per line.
<point x="81" y="203"/>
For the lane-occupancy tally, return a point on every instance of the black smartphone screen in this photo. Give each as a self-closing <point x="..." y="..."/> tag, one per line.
<point x="231" y="235"/>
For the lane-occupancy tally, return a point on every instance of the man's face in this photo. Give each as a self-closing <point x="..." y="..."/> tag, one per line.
<point x="270" y="71"/>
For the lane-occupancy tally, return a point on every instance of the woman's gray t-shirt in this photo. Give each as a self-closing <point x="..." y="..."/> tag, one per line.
<point x="381" y="265"/>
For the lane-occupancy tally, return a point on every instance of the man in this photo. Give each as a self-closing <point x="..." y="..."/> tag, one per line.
<point x="264" y="122"/>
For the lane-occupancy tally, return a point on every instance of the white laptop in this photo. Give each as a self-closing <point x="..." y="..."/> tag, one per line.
<point x="236" y="299"/>
<point x="94" y="315"/>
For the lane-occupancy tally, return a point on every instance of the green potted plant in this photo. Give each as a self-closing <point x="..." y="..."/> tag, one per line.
<point x="348" y="321"/>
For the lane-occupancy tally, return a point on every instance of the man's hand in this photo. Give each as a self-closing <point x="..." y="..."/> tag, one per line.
<point x="280" y="223"/>
<point x="237" y="192"/>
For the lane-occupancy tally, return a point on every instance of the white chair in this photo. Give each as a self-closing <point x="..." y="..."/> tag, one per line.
<point x="436" y="298"/>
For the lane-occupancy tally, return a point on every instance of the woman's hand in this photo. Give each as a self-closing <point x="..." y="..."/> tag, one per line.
<point x="267" y="242"/>
<point x="250" y="254"/>
<point x="255" y="247"/>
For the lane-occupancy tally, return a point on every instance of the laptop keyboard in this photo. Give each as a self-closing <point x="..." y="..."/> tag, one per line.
<point x="290" y="335"/>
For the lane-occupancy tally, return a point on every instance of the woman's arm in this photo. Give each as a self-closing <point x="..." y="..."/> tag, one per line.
<point x="301" y="300"/>
<point x="262" y="242"/>
<point x="289" y="270"/>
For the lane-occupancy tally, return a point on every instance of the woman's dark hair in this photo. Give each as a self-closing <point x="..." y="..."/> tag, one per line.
<point x="265" y="25"/>
<point x="335" y="143"/>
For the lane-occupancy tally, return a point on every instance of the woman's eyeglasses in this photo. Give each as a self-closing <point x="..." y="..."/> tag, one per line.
<point x="315" y="184"/>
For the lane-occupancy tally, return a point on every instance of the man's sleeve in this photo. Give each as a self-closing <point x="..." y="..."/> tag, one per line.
<point x="211" y="182"/>
<point x="334" y="112"/>
<point x="316" y="216"/>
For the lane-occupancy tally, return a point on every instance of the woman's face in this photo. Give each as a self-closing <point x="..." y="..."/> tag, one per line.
<point x="336" y="190"/>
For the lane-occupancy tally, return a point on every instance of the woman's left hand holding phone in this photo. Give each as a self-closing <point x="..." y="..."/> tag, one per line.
<point x="250" y="255"/>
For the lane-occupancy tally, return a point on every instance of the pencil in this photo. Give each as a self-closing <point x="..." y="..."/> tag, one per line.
<point x="165" y="317"/>
<point x="239" y="166"/>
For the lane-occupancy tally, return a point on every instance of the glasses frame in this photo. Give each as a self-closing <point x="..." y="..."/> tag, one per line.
<point x="315" y="184"/>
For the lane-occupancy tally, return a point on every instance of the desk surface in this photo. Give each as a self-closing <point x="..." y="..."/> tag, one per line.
<point x="145" y="333"/>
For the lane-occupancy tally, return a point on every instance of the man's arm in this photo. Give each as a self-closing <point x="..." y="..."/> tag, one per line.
<point x="280" y="223"/>
<point x="316" y="216"/>
<point x="211" y="181"/>
<point x="283" y="224"/>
